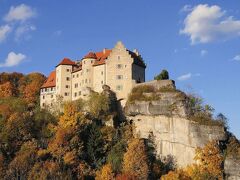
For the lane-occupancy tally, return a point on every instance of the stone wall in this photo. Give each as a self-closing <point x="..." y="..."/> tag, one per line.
<point x="232" y="168"/>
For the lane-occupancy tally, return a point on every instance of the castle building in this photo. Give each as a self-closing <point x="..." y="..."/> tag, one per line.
<point x="119" y="68"/>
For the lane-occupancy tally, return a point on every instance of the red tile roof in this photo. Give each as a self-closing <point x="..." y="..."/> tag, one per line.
<point x="51" y="80"/>
<point x="102" y="56"/>
<point x="91" y="55"/>
<point x="66" y="61"/>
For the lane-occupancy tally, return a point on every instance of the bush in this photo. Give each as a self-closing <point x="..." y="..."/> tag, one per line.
<point x="162" y="76"/>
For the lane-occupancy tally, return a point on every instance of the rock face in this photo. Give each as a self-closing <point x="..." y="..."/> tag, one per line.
<point x="232" y="169"/>
<point x="167" y="119"/>
<point x="176" y="136"/>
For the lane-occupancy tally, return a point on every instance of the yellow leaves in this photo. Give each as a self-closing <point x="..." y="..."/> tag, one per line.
<point x="70" y="158"/>
<point x="105" y="173"/>
<point x="176" y="175"/>
<point x="70" y="116"/>
<point x="210" y="159"/>
<point x="135" y="159"/>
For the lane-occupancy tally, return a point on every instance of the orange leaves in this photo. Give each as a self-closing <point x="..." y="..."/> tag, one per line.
<point x="135" y="159"/>
<point x="105" y="173"/>
<point x="7" y="90"/>
<point x="210" y="159"/>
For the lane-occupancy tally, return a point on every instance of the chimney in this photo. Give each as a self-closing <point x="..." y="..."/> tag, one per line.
<point x="104" y="50"/>
<point x="136" y="52"/>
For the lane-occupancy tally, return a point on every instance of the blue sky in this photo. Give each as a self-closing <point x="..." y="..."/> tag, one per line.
<point x="198" y="42"/>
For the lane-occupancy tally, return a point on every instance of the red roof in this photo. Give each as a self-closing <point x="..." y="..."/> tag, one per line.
<point x="51" y="80"/>
<point x="102" y="56"/>
<point x="67" y="61"/>
<point x="91" y="55"/>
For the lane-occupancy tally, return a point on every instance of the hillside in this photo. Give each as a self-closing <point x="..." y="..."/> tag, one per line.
<point x="160" y="133"/>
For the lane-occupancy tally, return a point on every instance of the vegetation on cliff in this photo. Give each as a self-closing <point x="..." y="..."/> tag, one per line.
<point x="77" y="143"/>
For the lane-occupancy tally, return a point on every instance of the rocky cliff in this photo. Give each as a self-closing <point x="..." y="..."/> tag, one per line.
<point x="166" y="116"/>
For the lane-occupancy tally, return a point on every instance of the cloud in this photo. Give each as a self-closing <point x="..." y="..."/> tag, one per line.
<point x="203" y="52"/>
<point x="4" y="31"/>
<point x="20" y="13"/>
<point x="187" y="76"/>
<point x="186" y="8"/>
<point x="13" y="59"/>
<point x="24" y="29"/>
<point x="237" y="58"/>
<point x="206" y="24"/>
<point x="184" y="77"/>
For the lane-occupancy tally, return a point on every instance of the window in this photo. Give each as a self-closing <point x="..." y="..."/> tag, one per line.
<point x="73" y="76"/>
<point x="66" y="94"/>
<point x="51" y="104"/>
<point x="67" y="78"/>
<point x="77" y="75"/>
<point x="67" y="86"/>
<point x="101" y="82"/>
<point x="68" y="70"/>
<point x="51" y="96"/>
<point x="91" y="61"/>
<point x="119" y="87"/>
<point x="119" y="66"/>
<point x="119" y="77"/>
<point x="51" y="89"/>
<point x="79" y="93"/>
<point x="102" y="72"/>
<point x="43" y="104"/>
<point x="76" y="85"/>
<point x="75" y="94"/>
<point x="43" y="97"/>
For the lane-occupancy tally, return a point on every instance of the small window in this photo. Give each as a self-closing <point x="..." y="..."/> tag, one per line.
<point x="79" y="93"/>
<point x="119" y="66"/>
<point x="102" y="72"/>
<point x="119" y="87"/>
<point x="68" y="70"/>
<point x="43" y="104"/>
<point x="43" y="97"/>
<point x="51" y="104"/>
<point x="76" y="85"/>
<point x="51" y="89"/>
<point x="67" y="86"/>
<point x="66" y="94"/>
<point x="51" y="96"/>
<point x="101" y="82"/>
<point x="75" y="94"/>
<point x="67" y="78"/>
<point x="119" y="77"/>
<point x="73" y="76"/>
<point x="91" y="61"/>
<point x="77" y="75"/>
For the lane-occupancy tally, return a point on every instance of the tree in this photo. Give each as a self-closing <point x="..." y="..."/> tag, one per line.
<point x="105" y="173"/>
<point x="135" y="159"/>
<point x="7" y="90"/>
<point x="95" y="146"/>
<point x="210" y="160"/>
<point x="162" y="76"/>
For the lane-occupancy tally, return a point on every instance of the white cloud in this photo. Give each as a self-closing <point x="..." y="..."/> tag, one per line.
<point x="20" y="13"/>
<point x="237" y="58"/>
<point x="13" y="59"/>
<point x="206" y="24"/>
<point x="186" y="8"/>
<point x="22" y="30"/>
<point x="4" y="31"/>
<point x="185" y="77"/>
<point x="203" y="52"/>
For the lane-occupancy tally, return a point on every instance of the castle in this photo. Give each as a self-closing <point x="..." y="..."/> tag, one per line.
<point x="119" y="68"/>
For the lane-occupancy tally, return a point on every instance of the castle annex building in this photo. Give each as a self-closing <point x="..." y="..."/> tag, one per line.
<point x="118" y="68"/>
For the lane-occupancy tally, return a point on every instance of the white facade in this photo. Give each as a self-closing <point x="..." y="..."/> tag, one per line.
<point x="118" y="68"/>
